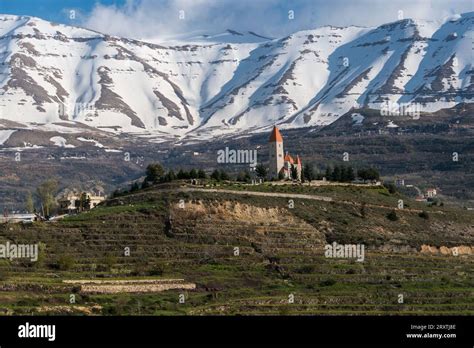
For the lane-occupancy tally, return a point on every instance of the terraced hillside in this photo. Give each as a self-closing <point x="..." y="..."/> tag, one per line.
<point x="230" y="251"/>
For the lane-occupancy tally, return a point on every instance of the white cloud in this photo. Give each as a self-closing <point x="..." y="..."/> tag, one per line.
<point x="161" y="18"/>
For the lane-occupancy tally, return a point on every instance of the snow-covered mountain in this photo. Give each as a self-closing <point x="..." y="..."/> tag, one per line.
<point x="63" y="77"/>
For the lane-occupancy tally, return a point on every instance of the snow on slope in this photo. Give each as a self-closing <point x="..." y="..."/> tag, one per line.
<point x="208" y="85"/>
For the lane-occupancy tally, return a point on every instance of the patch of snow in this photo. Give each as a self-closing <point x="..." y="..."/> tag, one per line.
<point x="96" y="143"/>
<point x="357" y="119"/>
<point x="5" y="135"/>
<point x="61" y="142"/>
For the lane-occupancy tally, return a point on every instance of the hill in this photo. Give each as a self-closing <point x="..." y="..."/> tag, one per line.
<point x="236" y="249"/>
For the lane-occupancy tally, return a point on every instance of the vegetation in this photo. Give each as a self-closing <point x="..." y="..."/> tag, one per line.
<point x="261" y="171"/>
<point x="276" y="258"/>
<point x="45" y="193"/>
<point x="392" y="215"/>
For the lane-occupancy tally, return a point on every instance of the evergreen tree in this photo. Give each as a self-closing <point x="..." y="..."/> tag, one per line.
<point x="182" y="175"/>
<point x="294" y="172"/>
<point x="241" y="177"/>
<point x="350" y="175"/>
<point x="216" y="175"/>
<point x="171" y="175"/>
<point x="261" y="171"/>
<point x="145" y="184"/>
<point x="336" y="174"/>
<point x="368" y="174"/>
<point x="134" y="187"/>
<point x="308" y="172"/>
<point x="193" y="174"/>
<point x="201" y="174"/>
<point x="224" y="175"/>
<point x="247" y="176"/>
<point x="328" y="173"/>
<point x="343" y="174"/>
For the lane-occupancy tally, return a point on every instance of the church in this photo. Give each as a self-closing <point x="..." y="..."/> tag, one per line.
<point x="280" y="163"/>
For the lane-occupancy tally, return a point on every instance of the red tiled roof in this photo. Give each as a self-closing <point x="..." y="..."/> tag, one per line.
<point x="288" y="158"/>
<point x="275" y="136"/>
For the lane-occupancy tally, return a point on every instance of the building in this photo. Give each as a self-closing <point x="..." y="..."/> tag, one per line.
<point x="280" y="164"/>
<point x="17" y="218"/>
<point x="71" y="203"/>
<point x="431" y="192"/>
<point x="400" y="182"/>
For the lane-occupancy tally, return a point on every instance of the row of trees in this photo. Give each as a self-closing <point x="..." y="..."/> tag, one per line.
<point x="155" y="174"/>
<point x="341" y="173"/>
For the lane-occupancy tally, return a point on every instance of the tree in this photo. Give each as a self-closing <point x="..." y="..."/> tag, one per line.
<point x="392" y="189"/>
<point x="243" y="176"/>
<point x="134" y="187"/>
<point x="294" y="172"/>
<point x="216" y="175"/>
<point x="193" y="174"/>
<point x="170" y="176"/>
<point x="154" y="172"/>
<point x="83" y="203"/>
<point x="328" y="173"/>
<point x="182" y="175"/>
<point x="261" y="171"/>
<point x="350" y="175"/>
<point x="29" y="205"/>
<point x="224" y="175"/>
<point x="145" y="184"/>
<point x="308" y="172"/>
<point x="369" y="174"/>
<point x="201" y="174"/>
<point x="45" y="193"/>
<point x="336" y="174"/>
<point x="343" y="174"/>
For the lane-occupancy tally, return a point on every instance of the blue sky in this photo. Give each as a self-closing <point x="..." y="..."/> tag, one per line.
<point x="160" y="18"/>
<point x="52" y="10"/>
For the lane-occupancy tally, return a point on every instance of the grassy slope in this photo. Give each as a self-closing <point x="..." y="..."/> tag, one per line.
<point x="272" y="264"/>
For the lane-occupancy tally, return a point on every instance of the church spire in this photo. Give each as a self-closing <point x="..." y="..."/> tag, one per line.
<point x="275" y="136"/>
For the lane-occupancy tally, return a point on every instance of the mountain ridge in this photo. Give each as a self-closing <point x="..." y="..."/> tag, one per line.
<point x="52" y="73"/>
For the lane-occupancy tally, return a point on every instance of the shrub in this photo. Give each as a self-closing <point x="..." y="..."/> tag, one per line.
<point x="156" y="270"/>
<point x="327" y="282"/>
<point x="424" y="215"/>
<point x="392" y="216"/>
<point x="65" y="262"/>
<point x="392" y="189"/>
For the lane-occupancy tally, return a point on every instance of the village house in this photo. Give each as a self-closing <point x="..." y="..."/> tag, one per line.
<point x="431" y="192"/>
<point x="281" y="164"/>
<point x="71" y="203"/>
